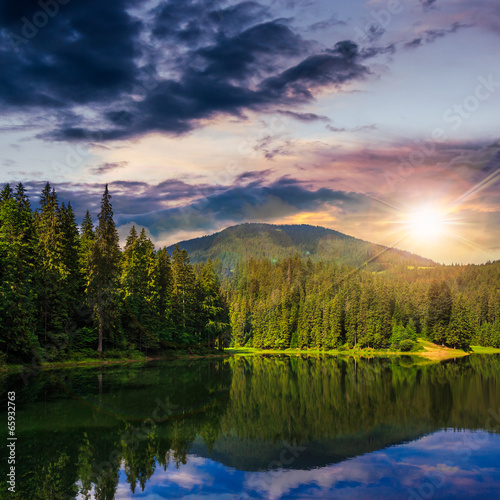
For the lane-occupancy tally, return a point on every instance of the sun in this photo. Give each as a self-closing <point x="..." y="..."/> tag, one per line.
<point x="426" y="223"/>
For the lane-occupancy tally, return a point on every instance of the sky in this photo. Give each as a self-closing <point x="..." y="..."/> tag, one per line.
<point x="376" y="118"/>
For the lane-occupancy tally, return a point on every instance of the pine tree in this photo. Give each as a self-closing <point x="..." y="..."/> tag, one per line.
<point x="51" y="270"/>
<point x="87" y="240"/>
<point x="17" y="295"/>
<point x="70" y="252"/>
<point x="337" y="322"/>
<point x="460" y="330"/>
<point x="214" y="312"/>
<point x="6" y="194"/>
<point x="183" y="307"/>
<point x="304" y="325"/>
<point x="438" y="311"/>
<point x="164" y="287"/>
<point x="104" y="273"/>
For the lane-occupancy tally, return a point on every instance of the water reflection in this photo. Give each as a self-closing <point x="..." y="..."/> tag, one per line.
<point x="434" y="466"/>
<point x="262" y="427"/>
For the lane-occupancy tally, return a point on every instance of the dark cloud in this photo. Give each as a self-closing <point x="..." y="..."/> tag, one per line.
<point x="430" y="36"/>
<point x="274" y="145"/>
<point x="322" y="70"/>
<point x="326" y="24"/>
<point x="428" y="4"/>
<point x="235" y="57"/>
<point x="174" y="205"/>
<point x="197" y="22"/>
<point x="285" y="196"/>
<point x="256" y="175"/>
<point x="369" y="52"/>
<point x="102" y="74"/>
<point x="304" y="117"/>
<point x="175" y="106"/>
<point x="83" y="54"/>
<point x="107" y="167"/>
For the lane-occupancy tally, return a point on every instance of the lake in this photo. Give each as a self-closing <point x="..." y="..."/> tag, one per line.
<point x="260" y="427"/>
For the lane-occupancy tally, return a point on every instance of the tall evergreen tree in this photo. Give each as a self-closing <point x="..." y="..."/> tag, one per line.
<point x="183" y="307"/>
<point x="214" y="314"/>
<point x="17" y="293"/>
<point x="164" y="286"/>
<point x="104" y="271"/>
<point x="139" y="288"/>
<point x="51" y="268"/>
<point x="87" y="240"/>
<point x="70" y="253"/>
<point x="439" y="311"/>
<point x="460" y="330"/>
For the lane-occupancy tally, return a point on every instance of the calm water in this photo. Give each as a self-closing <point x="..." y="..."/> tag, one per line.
<point x="260" y="427"/>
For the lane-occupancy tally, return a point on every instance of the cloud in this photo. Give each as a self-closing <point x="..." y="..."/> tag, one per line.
<point x="360" y="128"/>
<point x="430" y="36"/>
<point x="108" y="166"/>
<point x="326" y="24"/>
<point x="304" y="117"/>
<point x="257" y="175"/>
<point x="255" y="201"/>
<point x="370" y="52"/>
<point x="273" y="145"/>
<point x="323" y="70"/>
<point x="128" y="197"/>
<point x="428" y="4"/>
<point x="99" y="73"/>
<point x="86" y="54"/>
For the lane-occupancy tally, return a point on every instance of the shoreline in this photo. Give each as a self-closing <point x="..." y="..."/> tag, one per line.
<point x="430" y="352"/>
<point x="9" y="368"/>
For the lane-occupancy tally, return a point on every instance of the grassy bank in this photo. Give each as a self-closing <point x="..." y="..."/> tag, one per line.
<point x="135" y="357"/>
<point x="485" y="350"/>
<point x="424" y="349"/>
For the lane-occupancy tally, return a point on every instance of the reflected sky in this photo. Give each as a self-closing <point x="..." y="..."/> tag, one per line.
<point x="441" y="465"/>
<point x="262" y="427"/>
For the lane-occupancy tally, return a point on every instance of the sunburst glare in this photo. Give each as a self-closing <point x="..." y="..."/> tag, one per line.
<point x="428" y="222"/>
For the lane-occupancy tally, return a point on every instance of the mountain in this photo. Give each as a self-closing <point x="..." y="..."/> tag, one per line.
<point x="279" y="241"/>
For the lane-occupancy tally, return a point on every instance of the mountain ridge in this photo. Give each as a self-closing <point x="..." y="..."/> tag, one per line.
<point x="278" y="241"/>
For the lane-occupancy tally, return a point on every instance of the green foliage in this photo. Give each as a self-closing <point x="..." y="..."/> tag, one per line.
<point x="66" y="292"/>
<point x="18" y="293"/>
<point x="52" y="482"/>
<point x="304" y="304"/>
<point x="352" y="406"/>
<point x="277" y="242"/>
<point x="104" y="270"/>
<point x="84" y="339"/>
<point x="407" y="345"/>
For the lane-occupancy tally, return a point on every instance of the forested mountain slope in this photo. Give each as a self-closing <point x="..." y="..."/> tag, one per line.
<point x="268" y="241"/>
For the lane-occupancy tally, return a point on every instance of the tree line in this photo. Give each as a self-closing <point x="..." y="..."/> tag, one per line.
<point x="297" y="303"/>
<point x="67" y="289"/>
